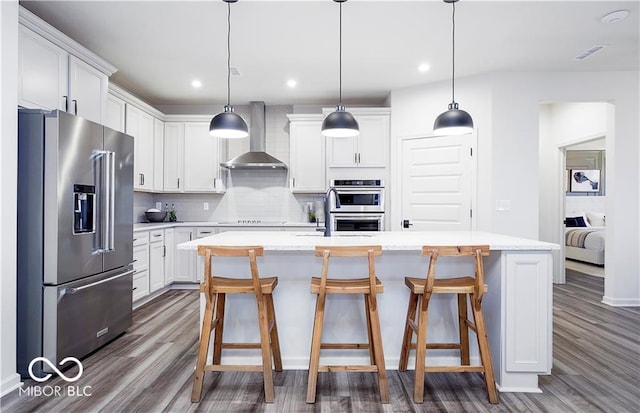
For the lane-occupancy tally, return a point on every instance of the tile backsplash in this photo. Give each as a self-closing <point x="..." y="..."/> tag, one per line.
<point x="255" y="194"/>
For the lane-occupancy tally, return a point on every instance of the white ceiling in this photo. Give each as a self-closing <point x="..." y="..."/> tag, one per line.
<point x="160" y="46"/>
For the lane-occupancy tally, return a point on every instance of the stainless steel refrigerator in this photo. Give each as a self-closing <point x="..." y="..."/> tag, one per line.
<point x="75" y="236"/>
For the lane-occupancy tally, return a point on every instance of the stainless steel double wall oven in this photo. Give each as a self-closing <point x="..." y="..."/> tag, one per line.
<point x="361" y="205"/>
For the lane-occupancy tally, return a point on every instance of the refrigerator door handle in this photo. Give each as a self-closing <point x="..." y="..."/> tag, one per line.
<point x="111" y="200"/>
<point x="107" y="200"/>
<point x="73" y="290"/>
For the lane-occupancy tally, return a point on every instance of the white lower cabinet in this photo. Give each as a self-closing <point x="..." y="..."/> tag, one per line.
<point x="169" y="255"/>
<point x="202" y="232"/>
<point x="156" y="260"/>
<point x="185" y="261"/>
<point x="140" y="265"/>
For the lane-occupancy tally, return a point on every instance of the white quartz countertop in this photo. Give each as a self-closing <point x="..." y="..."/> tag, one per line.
<point x="146" y="226"/>
<point x="389" y="240"/>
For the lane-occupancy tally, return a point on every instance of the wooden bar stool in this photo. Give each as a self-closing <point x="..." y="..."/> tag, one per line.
<point x="215" y="290"/>
<point x="369" y="286"/>
<point x="421" y="290"/>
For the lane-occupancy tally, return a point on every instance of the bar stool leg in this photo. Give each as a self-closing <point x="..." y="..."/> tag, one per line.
<point x="203" y="349"/>
<point x="464" y="329"/>
<point x="421" y="349"/>
<point x="374" y="321"/>
<point x="275" y="341"/>
<point x="483" y="347"/>
<point x="219" y="327"/>
<point x="269" y="394"/>
<point x="408" y="332"/>
<point x="367" y="313"/>
<point x="316" y="340"/>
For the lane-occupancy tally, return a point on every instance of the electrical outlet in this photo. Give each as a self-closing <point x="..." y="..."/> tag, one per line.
<point x="205" y="206"/>
<point x="159" y="205"/>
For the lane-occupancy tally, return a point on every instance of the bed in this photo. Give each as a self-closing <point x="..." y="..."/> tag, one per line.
<point x="585" y="241"/>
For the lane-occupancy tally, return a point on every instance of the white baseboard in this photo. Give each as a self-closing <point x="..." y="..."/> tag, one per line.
<point x="621" y="302"/>
<point x="9" y="384"/>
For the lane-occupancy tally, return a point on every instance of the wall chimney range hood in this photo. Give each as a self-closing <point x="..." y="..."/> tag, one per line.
<point x="256" y="158"/>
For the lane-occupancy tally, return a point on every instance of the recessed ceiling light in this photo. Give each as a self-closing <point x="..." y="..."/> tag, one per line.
<point x="424" y="67"/>
<point x="614" y="16"/>
<point x="292" y="83"/>
<point x="196" y="83"/>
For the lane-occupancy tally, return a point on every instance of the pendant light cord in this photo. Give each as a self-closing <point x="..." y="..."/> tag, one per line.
<point x="453" y="54"/>
<point x="228" y="54"/>
<point x="340" y="60"/>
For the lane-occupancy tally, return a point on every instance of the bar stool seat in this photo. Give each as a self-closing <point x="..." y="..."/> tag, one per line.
<point x="369" y="287"/>
<point x="215" y="289"/>
<point x="351" y="286"/>
<point x="421" y="290"/>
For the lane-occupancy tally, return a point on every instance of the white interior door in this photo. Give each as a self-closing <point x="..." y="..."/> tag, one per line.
<point x="438" y="183"/>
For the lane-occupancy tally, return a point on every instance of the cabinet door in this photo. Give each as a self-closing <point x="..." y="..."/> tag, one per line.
<point x="185" y="261"/>
<point x="169" y="257"/>
<point x="201" y="164"/>
<point x="87" y="90"/>
<point x="202" y="233"/>
<point x="43" y="72"/>
<point x="307" y="159"/>
<point x="158" y="155"/>
<point x="156" y="266"/>
<point x="342" y="152"/>
<point x="373" y="141"/>
<point x="114" y="118"/>
<point x="139" y="124"/>
<point x="173" y="157"/>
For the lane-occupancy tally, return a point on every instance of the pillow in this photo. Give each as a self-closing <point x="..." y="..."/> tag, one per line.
<point x="578" y="214"/>
<point x="596" y="219"/>
<point x="575" y="222"/>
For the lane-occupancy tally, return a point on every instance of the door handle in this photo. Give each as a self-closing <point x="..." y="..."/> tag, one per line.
<point x="75" y="102"/>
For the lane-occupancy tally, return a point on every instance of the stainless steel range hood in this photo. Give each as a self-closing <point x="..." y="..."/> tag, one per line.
<point x="256" y="158"/>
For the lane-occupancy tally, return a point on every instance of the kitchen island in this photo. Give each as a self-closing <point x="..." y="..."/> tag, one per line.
<point x="517" y="308"/>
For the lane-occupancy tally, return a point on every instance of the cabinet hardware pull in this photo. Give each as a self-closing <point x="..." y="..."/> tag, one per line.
<point x="355" y="157"/>
<point x="75" y="102"/>
<point x="134" y="288"/>
<point x="178" y="182"/>
<point x="157" y="235"/>
<point x="66" y="103"/>
<point x="214" y="183"/>
<point x="294" y="182"/>
<point x="164" y="250"/>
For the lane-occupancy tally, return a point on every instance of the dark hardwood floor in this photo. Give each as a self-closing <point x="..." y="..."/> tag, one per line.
<point x="596" y="369"/>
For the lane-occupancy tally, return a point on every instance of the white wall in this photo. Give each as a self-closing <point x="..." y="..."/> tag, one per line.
<point x="9" y="380"/>
<point x="506" y="112"/>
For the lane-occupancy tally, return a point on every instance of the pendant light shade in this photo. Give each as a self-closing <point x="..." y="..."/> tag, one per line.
<point x="340" y="124"/>
<point x="228" y="124"/>
<point x="454" y="121"/>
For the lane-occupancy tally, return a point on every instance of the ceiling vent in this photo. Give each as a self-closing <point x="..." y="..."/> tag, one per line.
<point x="590" y="51"/>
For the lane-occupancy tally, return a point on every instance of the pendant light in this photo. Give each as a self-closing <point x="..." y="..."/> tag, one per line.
<point x="340" y="124"/>
<point x="454" y="121"/>
<point x="228" y="124"/>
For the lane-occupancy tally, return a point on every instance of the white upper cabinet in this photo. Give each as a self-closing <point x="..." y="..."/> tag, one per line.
<point x="158" y="155"/>
<point x="307" y="154"/>
<point x="55" y="72"/>
<point x="201" y="160"/>
<point x="87" y="91"/>
<point x="139" y="124"/>
<point x="116" y="110"/>
<point x="43" y="81"/>
<point x="174" y="157"/>
<point x="369" y="149"/>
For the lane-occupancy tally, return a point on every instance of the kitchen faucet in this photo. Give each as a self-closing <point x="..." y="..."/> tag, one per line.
<point x="327" y="224"/>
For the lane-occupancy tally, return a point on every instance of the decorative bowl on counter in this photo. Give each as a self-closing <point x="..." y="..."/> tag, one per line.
<point x="155" y="215"/>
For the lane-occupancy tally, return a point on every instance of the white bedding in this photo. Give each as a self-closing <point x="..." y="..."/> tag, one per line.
<point x="593" y="251"/>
